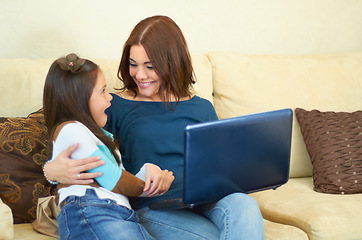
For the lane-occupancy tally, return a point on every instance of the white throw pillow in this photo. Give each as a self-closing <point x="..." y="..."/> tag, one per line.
<point x="6" y="222"/>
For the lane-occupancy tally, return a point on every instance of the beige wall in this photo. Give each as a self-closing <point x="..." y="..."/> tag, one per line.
<point x="98" y="28"/>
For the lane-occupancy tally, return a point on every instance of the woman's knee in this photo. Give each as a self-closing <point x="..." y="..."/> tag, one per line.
<point x="177" y="224"/>
<point x="240" y="202"/>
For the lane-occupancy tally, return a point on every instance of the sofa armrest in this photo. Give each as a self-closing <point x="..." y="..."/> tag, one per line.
<point x="6" y="222"/>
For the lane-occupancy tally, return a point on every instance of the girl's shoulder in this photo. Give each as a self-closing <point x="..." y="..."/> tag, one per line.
<point x="72" y="129"/>
<point x="60" y="127"/>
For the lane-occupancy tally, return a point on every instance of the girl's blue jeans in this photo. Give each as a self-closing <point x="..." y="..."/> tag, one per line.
<point x="236" y="216"/>
<point x="89" y="217"/>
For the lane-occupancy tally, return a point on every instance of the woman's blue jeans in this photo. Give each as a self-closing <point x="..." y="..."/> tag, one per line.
<point x="89" y="217"/>
<point x="236" y="216"/>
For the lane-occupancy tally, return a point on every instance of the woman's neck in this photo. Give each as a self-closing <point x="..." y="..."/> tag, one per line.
<point x="130" y="95"/>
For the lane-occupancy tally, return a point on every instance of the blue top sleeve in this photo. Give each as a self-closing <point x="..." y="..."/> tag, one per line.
<point x="111" y="172"/>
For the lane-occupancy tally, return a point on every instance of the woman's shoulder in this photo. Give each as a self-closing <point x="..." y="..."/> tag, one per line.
<point x="203" y="107"/>
<point x="124" y="95"/>
<point x="128" y="94"/>
<point x="121" y="98"/>
<point x="201" y="101"/>
<point x="198" y="98"/>
<point x="120" y="105"/>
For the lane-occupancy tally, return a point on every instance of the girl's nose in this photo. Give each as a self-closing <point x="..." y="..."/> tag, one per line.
<point x="109" y="97"/>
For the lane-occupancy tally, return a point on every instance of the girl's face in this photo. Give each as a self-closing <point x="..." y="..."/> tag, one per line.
<point x="100" y="100"/>
<point x="142" y="72"/>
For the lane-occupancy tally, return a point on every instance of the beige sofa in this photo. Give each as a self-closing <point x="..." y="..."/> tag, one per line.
<point x="239" y="84"/>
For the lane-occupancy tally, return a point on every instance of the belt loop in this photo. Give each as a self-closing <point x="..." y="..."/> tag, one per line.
<point x="91" y="192"/>
<point x="61" y="205"/>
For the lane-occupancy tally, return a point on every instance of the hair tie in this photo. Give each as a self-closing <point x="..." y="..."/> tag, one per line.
<point x="71" y="63"/>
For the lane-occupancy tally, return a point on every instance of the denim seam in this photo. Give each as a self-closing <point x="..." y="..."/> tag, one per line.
<point x="161" y="224"/>
<point x="85" y="221"/>
<point x="142" y="231"/>
<point x="226" y="221"/>
<point x="63" y="215"/>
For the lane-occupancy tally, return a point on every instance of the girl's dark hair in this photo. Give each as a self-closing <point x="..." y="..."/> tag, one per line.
<point x="66" y="98"/>
<point x="167" y="50"/>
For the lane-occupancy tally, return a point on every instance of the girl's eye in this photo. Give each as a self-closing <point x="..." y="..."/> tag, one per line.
<point x="133" y="64"/>
<point x="150" y="67"/>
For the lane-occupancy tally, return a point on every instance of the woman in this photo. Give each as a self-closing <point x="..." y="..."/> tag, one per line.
<point x="149" y="116"/>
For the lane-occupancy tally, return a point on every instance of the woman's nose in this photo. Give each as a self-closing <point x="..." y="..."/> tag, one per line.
<point x="141" y="73"/>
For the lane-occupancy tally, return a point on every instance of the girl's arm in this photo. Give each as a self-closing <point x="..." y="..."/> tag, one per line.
<point x="114" y="178"/>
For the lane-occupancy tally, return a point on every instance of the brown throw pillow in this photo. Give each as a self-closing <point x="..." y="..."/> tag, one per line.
<point x="334" y="144"/>
<point x="23" y="152"/>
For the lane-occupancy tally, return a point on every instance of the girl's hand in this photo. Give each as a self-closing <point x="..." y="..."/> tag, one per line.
<point x="157" y="181"/>
<point x="65" y="170"/>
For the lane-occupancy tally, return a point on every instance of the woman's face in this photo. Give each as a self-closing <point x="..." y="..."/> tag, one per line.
<point x="100" y="100"/>
<point x="142" y="72"/>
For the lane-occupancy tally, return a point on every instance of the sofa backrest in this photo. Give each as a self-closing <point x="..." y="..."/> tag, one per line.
<point x="245" y="84"/>
<point x="22" y="82"/>
<point x="236" y="84"/>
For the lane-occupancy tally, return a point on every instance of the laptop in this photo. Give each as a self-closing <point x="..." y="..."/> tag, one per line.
<point x="242" y="154"/>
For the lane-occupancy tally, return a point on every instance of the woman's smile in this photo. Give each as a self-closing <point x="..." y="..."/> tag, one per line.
<point x="145" y="84"/>
<point x="143" y="73"/>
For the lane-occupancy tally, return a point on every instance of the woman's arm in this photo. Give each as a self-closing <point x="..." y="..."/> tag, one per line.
<point x="68" y="171"/>
<point x="114" y="178"/>
<point x="157" y="181"/>
<point x="65" y="170"/>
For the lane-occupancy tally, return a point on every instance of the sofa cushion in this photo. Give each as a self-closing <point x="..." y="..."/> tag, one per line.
<point x="6" y="222"/>
<point x="203" y="76"/>
<point x="25" y="231"/>
<point x="321" y="215"/>
<point x="334" y="144"/>
<point x="245" y="84"/>
<point x="23" y="152"/>
<point x="23" y="80"/>
<point x="277" y="231"/>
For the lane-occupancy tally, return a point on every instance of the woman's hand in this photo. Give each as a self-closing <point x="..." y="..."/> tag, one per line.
<point x="157" y="181"/>
<point x="65" y="170"/>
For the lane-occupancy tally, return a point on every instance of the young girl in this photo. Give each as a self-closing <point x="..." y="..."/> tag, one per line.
<point x="75" y="99"/>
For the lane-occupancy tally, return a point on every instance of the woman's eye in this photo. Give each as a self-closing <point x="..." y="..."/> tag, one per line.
<point x="150" y="67"/>
<point x="133" y="64"/>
